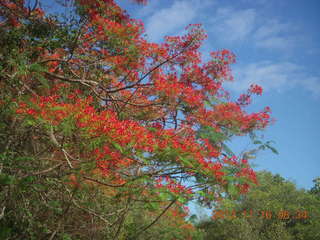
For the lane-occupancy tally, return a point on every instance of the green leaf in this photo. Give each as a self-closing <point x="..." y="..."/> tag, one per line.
<point x="7" y="179"/>
<point x="229" y="178"/>
<point x="267" y="145"/>
<point x="117" y="146"/>
<point x="66" y="237"/>
<point x="35" y="67"/>
<point x="216" y="137"/>
<point x="152" y="129"/>
<point x="227" y="149"/>
<point x="164" y="196"/>
<point x="43" y="81"/>
<point x="153" y="205"/>
<point x="193" y="218"/>
<point x="57" y="108"/>
<point x="30" y="122"/>
<point x="185" y="161"/>
<point x="182" y="199"/>
<point x="215" y="100"/>
<point x="201" y="193"/>
<point x="272" y="149"/>
<point x="211" y="134"/>
<point x="5" y="232"/>
<point x="208" y="103"/>
<point x="232" y="190"/>
<point x="68" y="126"/>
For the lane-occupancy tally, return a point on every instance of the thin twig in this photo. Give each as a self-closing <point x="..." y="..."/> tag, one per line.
<point x="63" y="78"/>
<point x="152" y="70"/>
<point x="2" y="212"/>
<point x="54" y="140"/>
<point x="154" y="221"/>
<point x="102" y="183"/>
<point x="91" y="212"/>
<point x="43" y="171"/>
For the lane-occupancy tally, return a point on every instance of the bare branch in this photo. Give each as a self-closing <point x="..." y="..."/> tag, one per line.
<point x="152" y="70"/>
<point x="155" y="220"/>
<point x="91" y="212"/>
<point x="43" y="171"/>
<point x="102" y="183"/>
<point x="54" y="140"/>
<point x="63" y="78"/>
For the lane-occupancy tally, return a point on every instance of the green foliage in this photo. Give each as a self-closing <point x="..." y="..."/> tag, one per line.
<point x="274" y="194"/>
<point x="316" y="188"/>
<point x="51" y="183"/>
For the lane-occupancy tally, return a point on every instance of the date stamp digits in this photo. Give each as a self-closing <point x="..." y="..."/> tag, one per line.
<point x="265" y="214"/>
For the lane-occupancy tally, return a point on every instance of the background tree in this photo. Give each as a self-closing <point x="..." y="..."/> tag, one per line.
<point x="316" y="188"/>
<point x="100" y="125"/>
<point x="275" y="209"/>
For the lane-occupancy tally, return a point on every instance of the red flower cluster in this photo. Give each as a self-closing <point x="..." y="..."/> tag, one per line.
<point x="139" y="104"/>
<point x="172" y="186"/>
<point x="255" y="89"/>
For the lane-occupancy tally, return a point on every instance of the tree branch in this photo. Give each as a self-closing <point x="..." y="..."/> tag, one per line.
<point x="102" y="183"/>
<point x="154" y="221"/>
<point x="43" y="171"/>
<point x="63" y="78"/>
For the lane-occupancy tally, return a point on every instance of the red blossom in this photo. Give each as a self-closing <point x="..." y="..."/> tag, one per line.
<point x="130" y="98"/>
<point x="256" y="89"/>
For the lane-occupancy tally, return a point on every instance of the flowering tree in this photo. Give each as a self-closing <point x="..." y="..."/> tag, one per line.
<point x="89" y="105"/>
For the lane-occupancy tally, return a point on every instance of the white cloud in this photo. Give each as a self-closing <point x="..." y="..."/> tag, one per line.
<point x="267" y="74"/>
<point x="238" y="26"/>
<point x="276" y="35"/>
<point x="278" y="76"/>
<point x="227" y="24"/>
<point x="312" y="84"/>
<point x="170" y="20"/>
<point x="258" y="2"/>
<point x="271" y="28"/>
<point x="148" y="9"/>
<point x="233" y="25"/>
<point x="276" y="43"/>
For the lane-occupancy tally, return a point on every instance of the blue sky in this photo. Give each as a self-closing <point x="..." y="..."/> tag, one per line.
<point x="277" y="46"/>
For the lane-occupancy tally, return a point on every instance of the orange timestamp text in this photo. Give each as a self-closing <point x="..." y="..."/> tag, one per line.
<point x="266" y="214"/>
